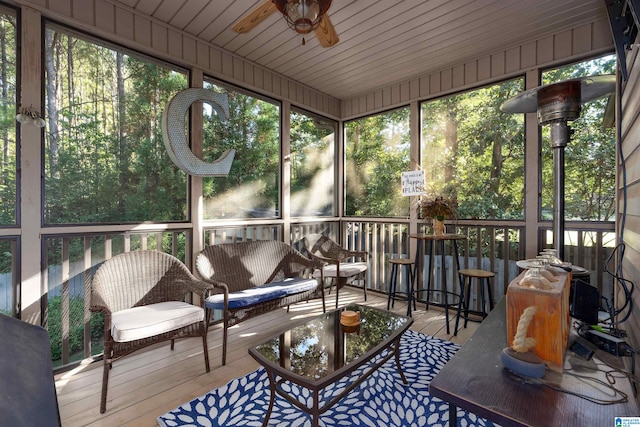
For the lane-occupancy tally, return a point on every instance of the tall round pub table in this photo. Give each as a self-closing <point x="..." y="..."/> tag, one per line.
<point x="431" y="240"/>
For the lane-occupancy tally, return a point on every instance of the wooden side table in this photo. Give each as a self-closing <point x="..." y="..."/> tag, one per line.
<point x="476" y="380"/>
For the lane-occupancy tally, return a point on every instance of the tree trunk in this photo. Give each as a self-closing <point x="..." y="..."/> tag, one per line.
<point x="70" y="83"/>
<point x="5" y="95"/>
<point x="51" y="40"/>
<point x="451" y="143"/>
<point x="496" y="166"/>
<point x="123" y="156"/>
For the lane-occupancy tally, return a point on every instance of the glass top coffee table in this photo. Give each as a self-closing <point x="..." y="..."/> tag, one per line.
<point x="321" y="351"/>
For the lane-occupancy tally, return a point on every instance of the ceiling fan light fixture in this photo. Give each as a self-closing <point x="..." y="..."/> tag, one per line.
<point x="303" y="16"/>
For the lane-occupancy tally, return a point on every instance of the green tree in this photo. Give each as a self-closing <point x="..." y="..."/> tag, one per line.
<point x="473" y="150"/>
<point x="589" y="167"/>
<point x="252" y="188"/>
<point x="8" y="68"/>
<point x="377" y="152"/>
<point x="154" y="187"/>
<point x="105" y="159"/>
<point x="312" y="165"/>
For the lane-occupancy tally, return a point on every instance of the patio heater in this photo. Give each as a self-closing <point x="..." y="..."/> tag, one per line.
<point x="556" y="105"/>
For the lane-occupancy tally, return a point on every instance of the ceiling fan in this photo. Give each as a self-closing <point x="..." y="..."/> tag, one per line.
<point x="302" y="16"/>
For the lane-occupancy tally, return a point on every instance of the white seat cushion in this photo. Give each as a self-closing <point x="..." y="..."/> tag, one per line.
<point x="153" y="319"/>
<point x="347" y="269"/>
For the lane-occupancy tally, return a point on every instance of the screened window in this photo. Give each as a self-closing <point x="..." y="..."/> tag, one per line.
<point x="105" y="161"/>
<point x="590" y="157"/>
<point x="312" y="165"/>
<point x="252" y="189"/>
<point x="472" y="151"/>
<point x="9" y="276"/>
<point x="377" y="152"/>
<point x="8" y="69"/>
<point x="9" y="59"/>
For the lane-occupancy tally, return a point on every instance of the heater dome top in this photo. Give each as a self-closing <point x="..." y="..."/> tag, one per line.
<point x="591" y="88"/>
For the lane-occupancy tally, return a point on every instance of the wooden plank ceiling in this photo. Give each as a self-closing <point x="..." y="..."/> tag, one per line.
<point x="381" y="41"/>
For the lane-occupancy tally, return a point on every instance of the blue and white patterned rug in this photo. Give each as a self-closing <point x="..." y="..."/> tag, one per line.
<point x="382" y="400"/>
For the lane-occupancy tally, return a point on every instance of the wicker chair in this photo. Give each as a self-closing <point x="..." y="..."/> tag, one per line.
<point x="141" y="296"/>
<point x="337" y="266"/>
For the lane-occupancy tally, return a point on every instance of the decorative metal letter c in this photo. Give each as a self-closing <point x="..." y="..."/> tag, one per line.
<point x="175" y="140"/>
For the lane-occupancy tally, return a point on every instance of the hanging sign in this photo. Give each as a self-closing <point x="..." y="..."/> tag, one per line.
<point x="413" y="183"/>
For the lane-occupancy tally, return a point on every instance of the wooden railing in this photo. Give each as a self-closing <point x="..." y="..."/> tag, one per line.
<point x="588" y="245"/>
<point x="71" y="261"/>
<point x="494" y="246"/>
<point x="242" y="233"/>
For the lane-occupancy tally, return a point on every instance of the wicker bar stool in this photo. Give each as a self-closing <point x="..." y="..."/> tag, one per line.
<point x="396" y="294"/>
<point x="466" y="277"/>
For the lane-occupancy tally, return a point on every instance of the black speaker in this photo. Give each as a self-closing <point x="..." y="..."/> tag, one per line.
<point x="585" y="301"/>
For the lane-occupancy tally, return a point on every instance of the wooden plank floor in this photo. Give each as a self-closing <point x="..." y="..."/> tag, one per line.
<point x="151" y="382"/>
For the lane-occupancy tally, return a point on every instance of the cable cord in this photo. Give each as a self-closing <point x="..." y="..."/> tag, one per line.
<point x="627" y="285"/>
<point x="610" y="374"/>
<point x="619" y="275"/>
<point x="599" y="384"/>
<point x="617" y="396"/>
<point x="635" y="380"/>
<point x="623" y="162"/>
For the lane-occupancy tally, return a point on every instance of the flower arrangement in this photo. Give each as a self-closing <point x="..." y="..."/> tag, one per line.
<point x="439" y="207"/>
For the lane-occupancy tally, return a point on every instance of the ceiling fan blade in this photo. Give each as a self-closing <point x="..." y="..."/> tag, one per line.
<point x="256" y="16"/>
<point x="326" y="33"/>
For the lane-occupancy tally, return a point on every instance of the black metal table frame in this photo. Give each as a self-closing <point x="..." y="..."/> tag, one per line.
<point x="392" y="343"/>
<point x="444" y="291"/>
<point x="317" y="410"/>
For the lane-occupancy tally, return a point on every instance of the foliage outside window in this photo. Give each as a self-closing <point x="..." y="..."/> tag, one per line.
<point x="105" y="160"/>
<point x="312" y="165"/>
<point x="377" y="150"/>
<point x="475" y="153"/>
<point x="590" y="158"/>
<point x="9" y="59"/>
<point x="8" y="68"/>
<point x="252" y="189"/>
<point x="9" y="298"/>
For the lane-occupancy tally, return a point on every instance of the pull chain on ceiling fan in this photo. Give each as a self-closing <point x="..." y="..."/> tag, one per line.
<point x="303" y="16"/>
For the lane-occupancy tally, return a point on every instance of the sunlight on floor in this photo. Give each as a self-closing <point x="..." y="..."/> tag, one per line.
<point x="67" y="376"/>
<point x="304" y="316"/>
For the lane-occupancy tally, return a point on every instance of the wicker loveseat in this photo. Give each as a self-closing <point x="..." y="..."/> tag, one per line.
<point x="255" y="277"/>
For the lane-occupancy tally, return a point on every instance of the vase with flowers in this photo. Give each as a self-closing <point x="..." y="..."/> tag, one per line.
<point x="438" y="207"/>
